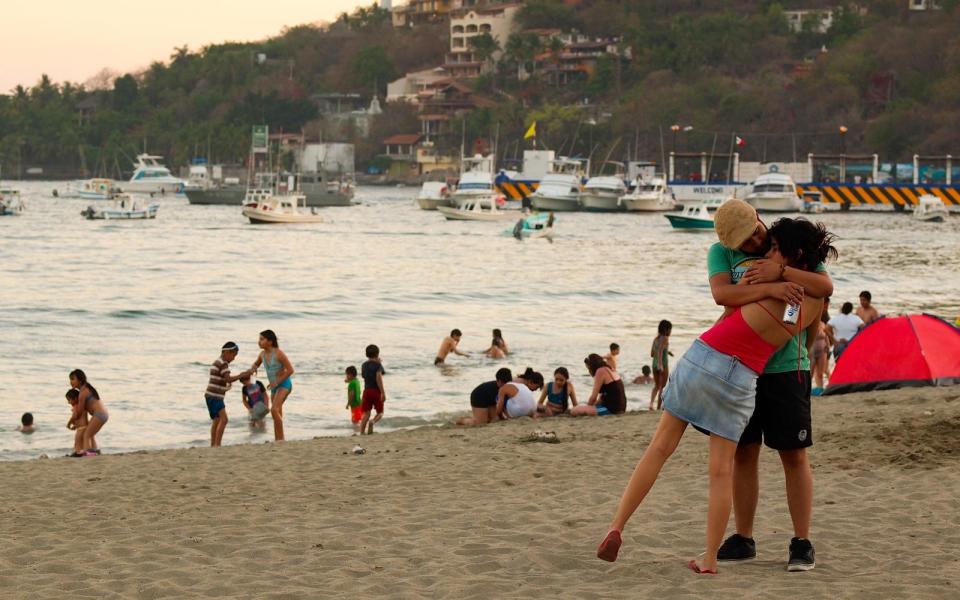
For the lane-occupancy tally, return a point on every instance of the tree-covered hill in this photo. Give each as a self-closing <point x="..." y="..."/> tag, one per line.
<point x="713" y="67"/>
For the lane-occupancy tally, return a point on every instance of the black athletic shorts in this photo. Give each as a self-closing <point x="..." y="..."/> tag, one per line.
<point x="484" y="395"/>
<point x="782" y="416"/>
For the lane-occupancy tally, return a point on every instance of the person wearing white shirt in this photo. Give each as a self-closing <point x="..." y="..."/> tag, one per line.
<point x="845" y="326"/>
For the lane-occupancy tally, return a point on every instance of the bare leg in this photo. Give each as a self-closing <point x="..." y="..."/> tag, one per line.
<point x="363" y="422"/>
<point x="799" y="481"/>
<point x="664" y="442"/>
<point x="664" y="375"/>
<point x="92" y="428"/>
<point x="276" y="411"/>
<point x="221" y="425"/>
<point x="746" y="487"/>
<point x="656" y="388"/>
<point x="722" y="452"/>
<point x="213" y="432"/>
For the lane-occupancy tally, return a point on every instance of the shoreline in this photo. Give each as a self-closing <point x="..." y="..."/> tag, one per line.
<point x="486" y="513"/>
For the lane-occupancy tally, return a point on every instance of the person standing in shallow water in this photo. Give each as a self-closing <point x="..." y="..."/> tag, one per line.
<point x="279" y="374"/>
<point x="89" y="401"/>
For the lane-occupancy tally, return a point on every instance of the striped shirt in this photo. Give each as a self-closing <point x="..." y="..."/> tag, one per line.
<point x="219" y="374"/>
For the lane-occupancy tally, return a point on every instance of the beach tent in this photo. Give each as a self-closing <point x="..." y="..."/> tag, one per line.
<point x="894" y="352"/>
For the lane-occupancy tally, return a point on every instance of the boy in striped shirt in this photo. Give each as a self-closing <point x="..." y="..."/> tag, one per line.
<point x="220" y="380"/>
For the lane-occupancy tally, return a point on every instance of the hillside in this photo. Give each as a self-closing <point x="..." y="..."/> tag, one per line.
<point x="891" y="77"/>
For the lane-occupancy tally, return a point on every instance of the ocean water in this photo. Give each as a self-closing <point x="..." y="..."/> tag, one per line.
<point x="143" y="307"/>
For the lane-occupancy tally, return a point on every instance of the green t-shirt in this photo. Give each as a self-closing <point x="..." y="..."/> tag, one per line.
<point x="354" y="386"/>
<point x="724" y="260"/>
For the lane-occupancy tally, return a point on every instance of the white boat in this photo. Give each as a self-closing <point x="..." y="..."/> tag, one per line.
<point x="533" y="227"/>
<point x="476" y="182"/>
<point x="602" y="192"/>
<point x="124" y="207"/>
<point x="696" y="216"/>
<point x="11" y="205"/>
<point x="151" y="177"/>
<point x="475" y="209"/>
<point x="281" y="208"/>
<point x="559" y="190"/>
<point x="931" y="209"/>
<point x="433" y="194"/>
<point x="651" y="195"/>
<point x="96" y="189"/>
<point x="774" y="192"/>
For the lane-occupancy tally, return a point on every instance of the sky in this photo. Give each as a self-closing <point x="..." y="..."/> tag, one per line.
<point x="73" y="40"/>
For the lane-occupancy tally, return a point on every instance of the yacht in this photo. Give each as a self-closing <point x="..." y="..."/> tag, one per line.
<point x="559" y="190"/>
<point x="774" y="192"/>
<point x="476" y="181"/>
<point x="151" y="177"/>
<point x="931" y="209"/>
<point x="603" y="192"/>
<point x="651" y="195"/>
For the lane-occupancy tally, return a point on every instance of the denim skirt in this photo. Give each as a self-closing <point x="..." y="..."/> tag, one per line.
<point x="711" y="390"/>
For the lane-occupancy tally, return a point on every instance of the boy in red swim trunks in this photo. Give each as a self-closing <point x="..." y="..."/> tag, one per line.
<point x="373" y="393"/>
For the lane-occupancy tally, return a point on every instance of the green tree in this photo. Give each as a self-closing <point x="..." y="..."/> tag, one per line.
<point x="125" y="92"/>
<point x="372" y="68"/>
<point x="484" y="46"/>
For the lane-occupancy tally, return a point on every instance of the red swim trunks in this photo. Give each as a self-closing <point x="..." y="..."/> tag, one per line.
<point x="371" y="399"/>
<point x="356" y="413"/>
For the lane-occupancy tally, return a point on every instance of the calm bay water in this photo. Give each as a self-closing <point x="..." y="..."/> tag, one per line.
<point x="143" y="307"/>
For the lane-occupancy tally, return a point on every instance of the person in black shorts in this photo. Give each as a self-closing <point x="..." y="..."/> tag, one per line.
<point x="781" y="419"/>
<point x="483" y="400"/>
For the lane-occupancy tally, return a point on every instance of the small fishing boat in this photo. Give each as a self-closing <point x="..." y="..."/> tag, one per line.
<point x="11" y="205"/>
<point x="281" y="208"/>
<point x="931" y="209"/>
<point x="649" y="196"/>
<point x="124" y="207"/>
<point x="695" y="216"/>
<point x="475" y="209"/>
<point x="538" y="225"/>
<point x="433" y="194"/>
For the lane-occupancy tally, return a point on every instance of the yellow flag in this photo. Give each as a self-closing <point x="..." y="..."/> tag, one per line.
<point x="532" y="132"/>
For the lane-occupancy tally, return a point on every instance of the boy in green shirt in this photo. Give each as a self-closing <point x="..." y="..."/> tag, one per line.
<point x="353" y="397"/>
<point x="782" y="417"/>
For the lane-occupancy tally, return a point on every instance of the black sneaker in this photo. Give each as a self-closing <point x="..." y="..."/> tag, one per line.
<point x="801" y="555"/>
<point x="736" y="547"/>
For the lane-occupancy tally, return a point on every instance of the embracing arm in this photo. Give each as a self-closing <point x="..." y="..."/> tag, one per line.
<point x="726" y="293"/>
<point x="816" y="284"/>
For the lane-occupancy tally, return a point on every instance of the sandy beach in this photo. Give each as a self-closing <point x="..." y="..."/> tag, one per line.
<point x="485" y="513"/>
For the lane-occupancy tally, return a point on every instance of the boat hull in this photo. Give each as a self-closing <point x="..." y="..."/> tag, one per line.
<point x="319" y="194"/>
<point x="682" y="222"/>
<point x="600" y="203"/>
<point x="555" y="204"/>
<point x="432" y="203"/>
<point x="229" y="196"/>
<point x="646" y="204"/>
<point x="262" y="217"/>
<point x="122" y="215"/>
<point x="780" y="204"/>
<point x="456" y="214"/>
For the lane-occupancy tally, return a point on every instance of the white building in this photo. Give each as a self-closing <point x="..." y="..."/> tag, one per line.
<point x="498" y="21"/>
<point x="821" y="20"/>
<point x="924" y="5"/>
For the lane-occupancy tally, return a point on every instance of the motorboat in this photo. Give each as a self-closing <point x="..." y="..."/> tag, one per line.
<point x="537" y="225"/>
<point x="321" y="190"/>
<point x="602" y="192"/>
<point x="475" y="209"/>
<point x="98" y="188"/>
<point x="206" y="186"/>
<point x="931" y="209"/>
<point x="433" y="194"/>
<point x="151" y="177"/>
<point x="651" y="195"/>
<point x="281" y="208"/>
<point x="774" y="192"/>
<point x="476" y="182"/>
<point x="695" y="216"/>
<point x="560" y="189"/>
<point x="123" y="207"/>
<point x="11" y="205"/>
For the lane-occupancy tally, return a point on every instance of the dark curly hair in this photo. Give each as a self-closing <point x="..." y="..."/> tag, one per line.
<point x="802" y="243"/>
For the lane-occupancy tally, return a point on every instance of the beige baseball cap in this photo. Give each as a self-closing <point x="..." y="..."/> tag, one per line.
<point x="735" y="221"/>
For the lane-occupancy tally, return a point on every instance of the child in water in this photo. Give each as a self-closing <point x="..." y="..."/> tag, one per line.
<point x="354" y="397"/>
<point x="26" y="423"/>
<point x="255" y="400"/>
<point x="645" y="378"/>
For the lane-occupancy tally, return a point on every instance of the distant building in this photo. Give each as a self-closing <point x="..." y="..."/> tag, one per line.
<point x="443" y="101"/>
<point x="920" y="5"/>
<point x="496" y="20"/>
<point x="415" y="12"/>
<point x="820" y="20"/>
<point x="409" y="87"/>
<point x="346" y="115"/>
<point x="578" y="57"/>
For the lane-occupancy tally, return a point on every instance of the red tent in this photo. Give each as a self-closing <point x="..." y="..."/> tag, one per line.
<point x="894" y="352"/>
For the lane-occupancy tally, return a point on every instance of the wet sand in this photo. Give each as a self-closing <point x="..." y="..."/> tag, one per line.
<point x="486" y="513"/>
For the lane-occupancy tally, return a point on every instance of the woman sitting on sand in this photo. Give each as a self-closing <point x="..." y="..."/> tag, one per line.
<point x="608" y="396"/>
<point x="714" y="388"/>
<point x="498" y="348"/>
<point x="88" y="401"/>
<point x="515" y="399"/>
<point x="558" y="395"/>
